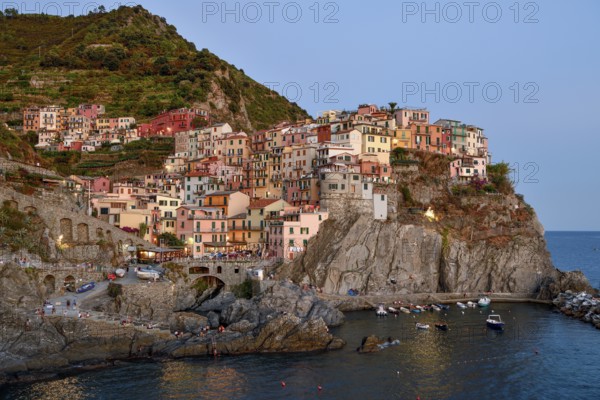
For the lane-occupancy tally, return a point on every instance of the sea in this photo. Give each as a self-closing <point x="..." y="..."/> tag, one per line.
<point x="541" y="354"/>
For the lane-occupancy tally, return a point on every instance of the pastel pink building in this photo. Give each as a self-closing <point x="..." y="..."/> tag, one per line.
<point x="290" y="233"/>
<point x="171" y="122"/>
<point x="91" y="111"/>
<point x="367" y="109"/>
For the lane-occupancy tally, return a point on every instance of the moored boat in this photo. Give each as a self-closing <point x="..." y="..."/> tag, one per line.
<point x="405" y="310"/>
<point x="421" y="326"/>
<point x="380" y="312"/>
<point x="435" y="308"/>
<point x="494" y="321"/>
<point x="442" y="326"/>
<point x="392" y="310"/>
<point x="461" y="305"/>
<point x="120" y="272"/>
<point x="484" y="301"/>
<point x="470" y="304"/>
<point x="443" y="306"/>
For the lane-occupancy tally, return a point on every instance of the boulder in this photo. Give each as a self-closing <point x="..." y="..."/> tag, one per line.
<point x="187" y="322"/>
<point x="213" y="319"/>
<point x="217" y="304"/>
<point x="243" y="326"/>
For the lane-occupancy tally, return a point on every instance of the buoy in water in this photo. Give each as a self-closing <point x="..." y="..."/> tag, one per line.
<point x="282" y="384"/>
<point x="320" y="387"/>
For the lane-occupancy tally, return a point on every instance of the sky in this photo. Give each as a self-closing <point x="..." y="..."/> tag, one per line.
<point x="526" y="72"/>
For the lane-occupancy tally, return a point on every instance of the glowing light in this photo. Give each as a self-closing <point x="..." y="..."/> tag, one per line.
<point x="430" y="215"/>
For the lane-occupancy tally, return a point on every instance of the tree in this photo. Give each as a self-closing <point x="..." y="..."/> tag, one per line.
<point x="11" y="12"/>
<point x="392" y="106"/>
<point x="101" y="9"/>
<point x="199" y="122"/>
<point x="168" y="239"/>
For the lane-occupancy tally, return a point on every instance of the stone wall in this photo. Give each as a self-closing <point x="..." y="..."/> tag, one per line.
<point x="80" y="237"/>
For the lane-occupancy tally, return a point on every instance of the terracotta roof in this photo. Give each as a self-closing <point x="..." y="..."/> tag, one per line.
<point x="262" y="203"/>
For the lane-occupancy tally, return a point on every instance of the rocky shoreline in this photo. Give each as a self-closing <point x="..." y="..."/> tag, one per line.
<point x="583" y="306"/>
<point x="284" y="318"/>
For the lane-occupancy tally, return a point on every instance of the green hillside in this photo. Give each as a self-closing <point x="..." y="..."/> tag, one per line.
<point x="130" y="60"/>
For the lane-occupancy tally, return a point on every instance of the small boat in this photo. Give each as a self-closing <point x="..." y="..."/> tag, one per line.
<point x="392" y="310"/>
<point x="87" y="287"/>
<point x="422" y="326"/>
<point x="443" y="306"/>
<point x="470" y="304"/>
<point x="415" y="310"/>
<point x="147" y="274"/>
<point x="484" y="301"/>
<point x="381" y="311"/>
<point x="461" y="305"/>
<point x="405" y="310"/>
<point x="442" y="326"/>
<point x="494" y="321"/>
<point x="435" y="308"/>
<point x="120" y="272"/>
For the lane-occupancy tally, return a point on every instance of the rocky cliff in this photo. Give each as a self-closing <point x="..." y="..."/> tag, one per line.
<point x="475" y="241"/>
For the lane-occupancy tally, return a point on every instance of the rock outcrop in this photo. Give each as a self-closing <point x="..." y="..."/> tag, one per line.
<point x="583" y="306"/>
<point x="475" y="242"/>
<point x="390" y="257"/>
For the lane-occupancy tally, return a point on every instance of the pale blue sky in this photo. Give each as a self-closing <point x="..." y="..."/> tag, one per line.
<point x="383" y="50"/>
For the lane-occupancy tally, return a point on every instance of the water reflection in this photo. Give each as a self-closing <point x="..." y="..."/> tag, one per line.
<point x="210" y="379"/>
<point x="68" y="388"/>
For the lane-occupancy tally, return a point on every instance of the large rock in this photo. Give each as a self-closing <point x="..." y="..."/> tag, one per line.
<point x="283" y="298"/>
<point x="217" y="304"/>
<point x="187" y="322"/>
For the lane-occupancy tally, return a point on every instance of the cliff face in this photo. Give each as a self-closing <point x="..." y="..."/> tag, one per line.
<point x="476" y="242"/>
<point x="377" y="257"/>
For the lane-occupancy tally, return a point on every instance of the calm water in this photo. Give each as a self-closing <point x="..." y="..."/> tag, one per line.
<point x="576" y="250"/>
<point x="541" y="355"/>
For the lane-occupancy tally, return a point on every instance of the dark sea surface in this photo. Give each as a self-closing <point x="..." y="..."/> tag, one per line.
<point x="540" y="355"/>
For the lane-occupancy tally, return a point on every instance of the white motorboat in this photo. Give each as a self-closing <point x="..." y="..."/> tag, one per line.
<point x="495" y="322"/>
<point x="405" y="310"/>
<point x="148" y="274"/>
<point x="484" y="301"/>
<point x="435" y="308"/>
<point x="422" y="326"/>
<point x="381" y="311"/>
<point x="461" y="305"/>
<point x="471" y="304"/>
<point x="392" y="310"/>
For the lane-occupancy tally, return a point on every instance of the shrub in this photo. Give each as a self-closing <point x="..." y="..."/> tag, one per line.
<point x="243" y="290"/>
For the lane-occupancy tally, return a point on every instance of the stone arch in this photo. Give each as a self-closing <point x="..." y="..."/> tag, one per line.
<point x="109" y="237"/>
<point x="129" y="242"/>
<point x="211" y="281"/>
<point x="50" y="284"/>
<point x="31" y="210"/>
<point x="83" y="233"/>
<point x="70" y="283"/>
<point x="219" y="270"/>
<point x="66" y="229"/>
<point x="99" y="233"/>
<point x="199" y="270"/>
